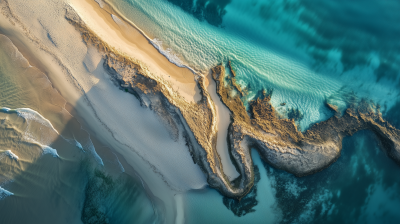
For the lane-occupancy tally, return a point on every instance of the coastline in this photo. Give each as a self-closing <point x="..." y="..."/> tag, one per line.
<point x="71" y="78"/>
<point x="130" y="40"/>
<point x="317" y="149"/>
<point x="277" y="139"/>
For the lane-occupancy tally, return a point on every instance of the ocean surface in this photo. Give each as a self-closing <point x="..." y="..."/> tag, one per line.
<point x="308" y="53"/>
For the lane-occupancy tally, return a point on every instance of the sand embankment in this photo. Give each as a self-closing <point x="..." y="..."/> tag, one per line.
<point x="223" y="119"/>
<point x="116" y="118"/>
<point x="124" y="37"/>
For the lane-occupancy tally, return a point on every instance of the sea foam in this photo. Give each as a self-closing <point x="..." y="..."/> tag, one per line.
<point x="4" y="193"/>
<point x="32" y="115"/>
<point x="100" y="2"/>
<point x="50" y="150"/>
<point x="90" y="147"/>
<point x="11" y="155"/>
<point x="43" y="139"/>
<point x="48" y="136"/>
<point x="8" y="154"/>
<point x="169" y="54"/>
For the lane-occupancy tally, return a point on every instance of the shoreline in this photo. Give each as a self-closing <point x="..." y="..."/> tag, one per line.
<point x="78" y="88"/>
<point x="318" y="147"/>
<point x="132" y="41"/>
<point x="277" y="140"/>
<point x="107" y="6"/>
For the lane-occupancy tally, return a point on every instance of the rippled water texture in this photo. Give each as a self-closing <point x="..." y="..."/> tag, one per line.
<point x="308" y="53"/>
<point x="305" y="52"/>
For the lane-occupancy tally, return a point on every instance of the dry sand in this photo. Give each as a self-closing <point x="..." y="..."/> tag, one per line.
<point x="115" y="118"/>
<point x="139" y="138"/>
<point x="129" y="40"/>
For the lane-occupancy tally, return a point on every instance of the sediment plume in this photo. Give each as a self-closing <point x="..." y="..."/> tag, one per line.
<point x="277" y="140"/>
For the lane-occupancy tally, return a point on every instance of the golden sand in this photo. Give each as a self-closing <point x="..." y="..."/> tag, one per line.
<point x="136" y="66"/>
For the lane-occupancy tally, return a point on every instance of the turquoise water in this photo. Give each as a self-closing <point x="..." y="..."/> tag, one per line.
<point x="267" y="43"/>
<point x="361" y="187"/>
<point x="307" y="52"/>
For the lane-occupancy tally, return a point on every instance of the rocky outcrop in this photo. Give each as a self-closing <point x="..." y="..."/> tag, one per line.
<point x="277" y="140"/>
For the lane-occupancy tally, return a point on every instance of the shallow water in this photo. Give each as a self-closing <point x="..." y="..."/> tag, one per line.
<point x="267" y="52"/>
<point x="361" y="187"/>
<point x="50" y="171"/>
<point x="307" y="53"/>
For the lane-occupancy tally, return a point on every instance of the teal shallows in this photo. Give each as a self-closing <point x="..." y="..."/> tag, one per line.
<point x="264" y="53"/>
<point x="308" y="52"/>
<point x="264" y="212"/>
<point x="361" y="187"/>
<point x="115" y="200"/>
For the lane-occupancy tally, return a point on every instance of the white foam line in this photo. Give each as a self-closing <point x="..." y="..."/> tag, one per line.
<point x="90" y="147"/>
<point x="141" y="180"/>
<point x="4" y="193"/>
<point x="120" y="165"/>
<point x="79" y="145"/>
<point x="173" y="58"/>
<point x="27" y="113"/>
<point x="11" y="155"/>
<point x="21" y="111"/>
<point x="49" y="150"/>
<point x="5" y="109"/>
<point x="100" y="2"/>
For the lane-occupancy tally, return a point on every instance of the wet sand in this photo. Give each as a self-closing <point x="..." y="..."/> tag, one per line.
<point x="224" y="119"/>
<point x="100" y="106"/>
<point x="39" y="163"/>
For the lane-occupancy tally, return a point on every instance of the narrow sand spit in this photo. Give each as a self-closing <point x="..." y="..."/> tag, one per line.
<point x="224" y="119"/>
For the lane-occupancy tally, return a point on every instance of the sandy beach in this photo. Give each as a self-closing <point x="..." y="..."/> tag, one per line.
<point x="114" y="119"/>
<point x="127" y="39"/>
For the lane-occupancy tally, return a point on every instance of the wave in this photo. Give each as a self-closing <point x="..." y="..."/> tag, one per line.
<point x="4" y="193"/>
<point x="32" y="115"/>
<point x="158" y="44"/>
<point x="44" y="138"/>
<point x="169" y="54"/>
<point x="120" y="164"/>
<point x="50" y="150"/>
<point x="47" y="137"/>
<point x="90" y="147"/>
<point x="9" y="154"/>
